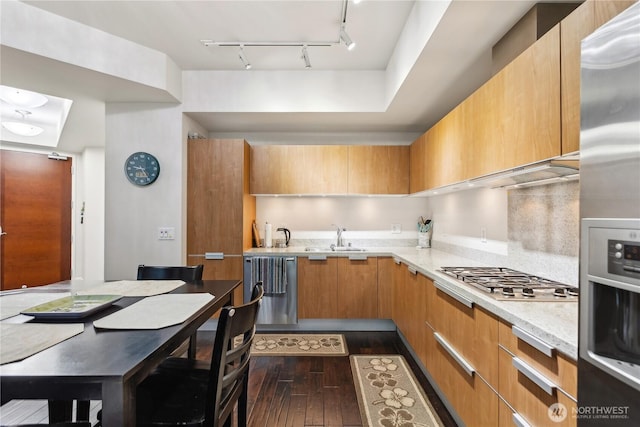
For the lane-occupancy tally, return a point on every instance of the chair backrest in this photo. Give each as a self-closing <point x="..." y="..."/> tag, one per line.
<point x="186" y="273"/>
<point x="230" y="361"/>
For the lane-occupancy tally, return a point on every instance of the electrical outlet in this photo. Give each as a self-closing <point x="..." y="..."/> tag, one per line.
<point x="396" y="228"/>
<point x="483" y="235"/>
<point x="166" y="233"/>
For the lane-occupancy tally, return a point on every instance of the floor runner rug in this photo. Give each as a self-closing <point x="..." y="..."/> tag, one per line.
<point x="389" y="394"/>
<point x="299" y="345"/>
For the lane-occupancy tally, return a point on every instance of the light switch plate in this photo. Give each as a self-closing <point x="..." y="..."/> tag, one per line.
<point x="396" y="228"/>
<point x="166" y="233"/>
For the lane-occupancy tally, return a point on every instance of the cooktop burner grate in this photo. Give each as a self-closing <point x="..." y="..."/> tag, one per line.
<point x="508" y="284"/>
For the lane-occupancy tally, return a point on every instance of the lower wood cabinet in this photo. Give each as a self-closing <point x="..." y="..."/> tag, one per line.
<point x="317" y="288"/>
<point x="357" y="288"/>
<point x="474" y="401"/>
<point x="385" y="287"/>
<point x="337" y="287"/>
<point x="535" y="398"/>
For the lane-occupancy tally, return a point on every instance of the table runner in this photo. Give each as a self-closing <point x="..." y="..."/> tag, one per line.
<point x="12" y="304"/>
<point x="134" y="288"/>
<point x="155" y="312"/>
<point x="21" y="340"/>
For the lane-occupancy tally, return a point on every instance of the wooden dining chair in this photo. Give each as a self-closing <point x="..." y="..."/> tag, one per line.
<point x="188" y="273"/>
<point x="189" y="392"/>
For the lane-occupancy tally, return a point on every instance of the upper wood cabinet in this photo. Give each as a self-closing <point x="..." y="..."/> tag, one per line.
<point x="329" y="169"/>
<point x="418" y="164"/>
<point x="579" y="24"/>
<point x="378" y="169"/>
<point x="531" y="112"/>
<point x="299" y="169"/>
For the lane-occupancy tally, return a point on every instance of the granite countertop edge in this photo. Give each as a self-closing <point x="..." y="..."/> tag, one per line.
<point x="555" y="323"/>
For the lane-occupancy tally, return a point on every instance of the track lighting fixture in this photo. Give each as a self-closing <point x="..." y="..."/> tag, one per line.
<point x="243" y="58"/>
<point x="346" y="39"/>
<point x="305" y="57"/>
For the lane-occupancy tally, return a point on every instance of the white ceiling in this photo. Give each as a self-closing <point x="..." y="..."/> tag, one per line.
<point x="455" y="61"/>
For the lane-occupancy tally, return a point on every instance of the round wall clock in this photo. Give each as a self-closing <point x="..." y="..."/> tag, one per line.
<point x="142" y="168"/>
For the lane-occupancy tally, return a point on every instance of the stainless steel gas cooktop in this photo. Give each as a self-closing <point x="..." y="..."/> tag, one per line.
<point x="511" y="285"/>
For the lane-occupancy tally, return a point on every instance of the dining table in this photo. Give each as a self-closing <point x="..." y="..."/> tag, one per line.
<point x="105" y="364"/>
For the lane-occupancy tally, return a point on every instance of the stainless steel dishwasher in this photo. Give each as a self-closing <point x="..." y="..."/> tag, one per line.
<point x="279" y="276"/>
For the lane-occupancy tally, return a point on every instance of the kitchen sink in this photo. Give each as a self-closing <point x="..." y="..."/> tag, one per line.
<point x="347" y="249"/>
<point x="334" y="249"/>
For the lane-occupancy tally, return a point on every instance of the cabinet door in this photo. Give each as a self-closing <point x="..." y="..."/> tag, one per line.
<point x="317" y="288"/>
<point x="473" y="400"/>
<point x="385" y="287"/>
<point x="446" y="150"/>
<point x="531" y="112"/>
<point x="299" y="169"/>
<point x="418" y="165"/>
<point x="216" y="175"/>
<point x="471" y="331"/>
<point x="357" y="288"/>
<point x="378" y="169"/>
<point x="531" y="401"/>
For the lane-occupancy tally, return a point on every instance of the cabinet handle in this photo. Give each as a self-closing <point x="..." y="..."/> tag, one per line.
<point x="317" y="257"/>
<point x="534" y="342"/>
<point x="214" y="255"/>
<point x="519" y="421"/>
<point x="456" y="356"/>
<point x="412" y="270"/>
<point x="453" y="294"/>
<point x="535" y="376"/>
<point x="357" y="257"/>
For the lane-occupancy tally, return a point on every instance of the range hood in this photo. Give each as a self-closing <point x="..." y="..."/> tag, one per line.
<point x="546" y="172"/>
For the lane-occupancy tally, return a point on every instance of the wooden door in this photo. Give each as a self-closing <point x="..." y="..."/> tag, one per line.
<point x="36" y="217"/>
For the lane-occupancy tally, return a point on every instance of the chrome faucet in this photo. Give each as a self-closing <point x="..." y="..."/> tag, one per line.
<point x="339" y="242"/>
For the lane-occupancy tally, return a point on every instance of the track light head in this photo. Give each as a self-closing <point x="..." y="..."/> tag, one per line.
<point x="346" y="39"/>
<point x="305" y="57"/>
<point x="243" y="58"/>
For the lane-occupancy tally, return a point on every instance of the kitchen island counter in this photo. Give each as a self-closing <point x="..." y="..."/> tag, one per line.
<point x="556" y="323"/>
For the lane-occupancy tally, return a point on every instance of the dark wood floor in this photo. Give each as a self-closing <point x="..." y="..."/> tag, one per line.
<point x="317" y="391"/>
<point x="286" y="391"/>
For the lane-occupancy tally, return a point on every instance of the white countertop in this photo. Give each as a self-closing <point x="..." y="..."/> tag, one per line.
<point x="556" y="323"/>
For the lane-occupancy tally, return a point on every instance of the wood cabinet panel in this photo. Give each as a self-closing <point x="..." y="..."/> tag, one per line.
<point x="575" y="27"/>
<point x="219" y="209"/>
<point x="473" y="400"/>
<point x="317" y="288"/>
<point x="385" y="287"/>
<point x="418" y="165"/>
<point x="531" y="111"/>
<point x="473" y="332"/>
<point x="378" y="169"/>
<point x="529" y="400"/>
<point x="357" y="288"/>
<point x="557" y="367"/>
<point x="410" y="308"/>
<point x="446" y="151"/>
<point x="299" y="169"/>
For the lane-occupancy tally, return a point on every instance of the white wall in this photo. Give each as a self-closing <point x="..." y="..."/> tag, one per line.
<point x="133" y="214"/>
<point x="90" y="237"/>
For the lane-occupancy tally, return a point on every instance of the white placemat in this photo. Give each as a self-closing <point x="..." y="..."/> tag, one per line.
<point x="134" y="288"/>
<point x="155" y="312"/>
<point x="21" y="340"/>
<point x="13" y="304"/>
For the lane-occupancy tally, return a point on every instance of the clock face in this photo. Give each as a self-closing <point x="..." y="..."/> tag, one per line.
<point x="142" y="168"/>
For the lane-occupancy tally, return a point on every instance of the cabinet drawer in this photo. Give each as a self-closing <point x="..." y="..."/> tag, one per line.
<point x="473" y="400"/>
<point x="541" y="356"/>
<point x="523" y="388"/>
<point x="472" y="331"/>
